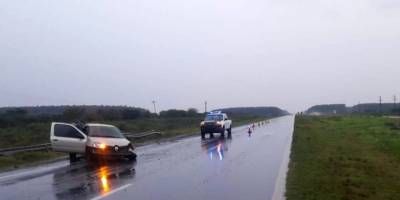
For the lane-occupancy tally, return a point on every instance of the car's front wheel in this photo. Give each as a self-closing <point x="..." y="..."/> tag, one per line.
<point x="89" y="156"/>
<point x="132" y="157"/>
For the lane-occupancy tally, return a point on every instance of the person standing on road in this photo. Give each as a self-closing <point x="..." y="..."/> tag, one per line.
<point x="249" y="131"/>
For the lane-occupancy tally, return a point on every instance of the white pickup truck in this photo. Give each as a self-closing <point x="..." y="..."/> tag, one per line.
<point x="216" y="122"/>
<point x="91" y="140"/>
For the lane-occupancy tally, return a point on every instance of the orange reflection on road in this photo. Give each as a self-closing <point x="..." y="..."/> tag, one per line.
<point x="104" y="181"/>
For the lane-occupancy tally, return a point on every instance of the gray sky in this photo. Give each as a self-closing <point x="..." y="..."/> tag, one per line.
<point x="287" y="53"/>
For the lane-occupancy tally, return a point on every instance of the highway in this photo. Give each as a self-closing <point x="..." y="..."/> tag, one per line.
<point x="240" y="167"/>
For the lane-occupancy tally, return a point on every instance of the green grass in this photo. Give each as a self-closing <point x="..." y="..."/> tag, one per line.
<point x="345" y="158"/>
<point x="37" y="133"/>
<point x="32" y="133"/>
<point x="25" y="158"/>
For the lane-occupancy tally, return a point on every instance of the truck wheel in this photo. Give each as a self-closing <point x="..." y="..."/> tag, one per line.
<point x="203" y="135"/>
<point x="72" y="157"/>
<point x="223" y="132"/>
<point x="230" y="131"/>
<point x="211" y="135"/>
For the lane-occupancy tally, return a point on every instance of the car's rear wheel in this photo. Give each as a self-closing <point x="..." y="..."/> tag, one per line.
<point x="230" y="131"/>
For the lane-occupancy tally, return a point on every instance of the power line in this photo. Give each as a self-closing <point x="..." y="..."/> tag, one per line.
<point x="380" y="104"/>
<point x="154" y="105"/>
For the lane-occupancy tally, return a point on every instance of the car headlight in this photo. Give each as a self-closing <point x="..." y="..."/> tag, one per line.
<point x="99" y="145"/>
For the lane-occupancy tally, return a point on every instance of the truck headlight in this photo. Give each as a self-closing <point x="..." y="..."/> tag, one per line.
<point x="202" y="124"/>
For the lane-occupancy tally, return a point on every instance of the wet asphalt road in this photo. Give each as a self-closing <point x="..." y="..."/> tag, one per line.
<point x="240" y="167"/>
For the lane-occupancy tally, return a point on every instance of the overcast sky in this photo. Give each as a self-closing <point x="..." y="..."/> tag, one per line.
<point x="286" y="53"/>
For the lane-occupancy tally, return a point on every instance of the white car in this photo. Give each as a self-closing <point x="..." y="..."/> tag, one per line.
<point x="91" y="140"/>
<point x="216" y="122"/>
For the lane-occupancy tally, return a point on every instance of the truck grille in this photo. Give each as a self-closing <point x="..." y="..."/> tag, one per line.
<point x="210" y="124"/>
<point x="116" y="149"/>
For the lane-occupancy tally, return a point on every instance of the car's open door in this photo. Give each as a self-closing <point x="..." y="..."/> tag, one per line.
<point x="67" y="138"/>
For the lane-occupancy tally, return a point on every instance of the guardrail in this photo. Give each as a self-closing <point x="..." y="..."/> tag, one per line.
<point x="47" y="146"/>
<point x="13" y="150"/>
<point x="141" y="135"/>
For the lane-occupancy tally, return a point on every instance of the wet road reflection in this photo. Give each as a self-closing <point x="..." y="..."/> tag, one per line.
<point x="76" y="181"/>
<point x="92" y="180"/>
<point x="216" y="147"/>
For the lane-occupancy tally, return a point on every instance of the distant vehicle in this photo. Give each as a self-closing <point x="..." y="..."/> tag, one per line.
<point x="91" y="140"/>
<point x="216" y="122"/>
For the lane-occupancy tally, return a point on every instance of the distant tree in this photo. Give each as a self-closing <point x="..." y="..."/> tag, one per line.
<point x="110" y="113"/>
<point x="173" y="113"/>
<point x="74" y="113"/>
<point x="131" y="113"/>
<point x="92" y="116"/>
<point x="396" y="111"/>
<point x="192" y="112"/>
<point x="17" y="112"/>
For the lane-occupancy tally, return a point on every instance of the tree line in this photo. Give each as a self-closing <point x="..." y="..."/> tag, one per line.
<point x="22" y="115"/>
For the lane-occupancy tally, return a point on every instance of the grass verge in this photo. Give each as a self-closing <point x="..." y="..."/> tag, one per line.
<point x="26" y="158"/>
<point x="344" y="158"/>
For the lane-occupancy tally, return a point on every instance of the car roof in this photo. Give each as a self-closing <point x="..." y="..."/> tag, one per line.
<point x="95" y="124"/>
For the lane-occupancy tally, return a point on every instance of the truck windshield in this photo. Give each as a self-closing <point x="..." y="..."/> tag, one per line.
<point x="213" y="118"/>
<point x="104" y="131"/>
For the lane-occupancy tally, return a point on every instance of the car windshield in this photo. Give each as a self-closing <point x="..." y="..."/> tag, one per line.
<point x="104" y="131"/>
<point x="213" y="118"/>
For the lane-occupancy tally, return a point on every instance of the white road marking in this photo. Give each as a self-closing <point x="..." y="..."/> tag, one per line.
<point x="280" y="183"/>
<point x="112" y="192"/>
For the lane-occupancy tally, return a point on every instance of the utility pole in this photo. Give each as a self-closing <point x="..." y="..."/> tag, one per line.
<point x="394" y="101"/>
<point x="154" y="105"/>
<point x="380" y="104"/>
<point x="205" y="107"/>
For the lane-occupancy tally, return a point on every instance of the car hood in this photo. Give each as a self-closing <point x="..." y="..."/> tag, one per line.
<point x="108" y="141"/>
